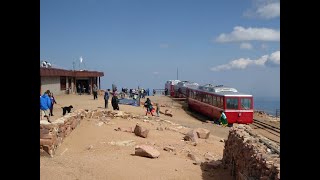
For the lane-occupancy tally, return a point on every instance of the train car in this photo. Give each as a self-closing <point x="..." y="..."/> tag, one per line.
<point x="207" y="87"/>
<point x="170" y="86"/>
<point x="181" y="88"/>
<point x="237" y="106"/>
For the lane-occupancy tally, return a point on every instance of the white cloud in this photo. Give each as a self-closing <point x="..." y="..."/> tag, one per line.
<point x="269" y="11"/>
<point x="274" y="59"/>
<point x="155" y="73"/>
<point x="242" y="63"/>
<point x="266" y="9"/>
<point x="245" y="46"/>
<point x="164" y="45"/>
<point x="250" y="34"/>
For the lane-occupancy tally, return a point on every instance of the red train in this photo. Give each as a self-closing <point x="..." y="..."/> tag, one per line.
<point x="170" y="86"/>
<point x="209" y="100"/>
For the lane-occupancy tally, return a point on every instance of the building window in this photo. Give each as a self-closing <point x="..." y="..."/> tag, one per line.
<point x="63" y="83"/>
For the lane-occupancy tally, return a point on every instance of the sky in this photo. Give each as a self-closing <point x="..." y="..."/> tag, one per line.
<point x="147" y="42"/>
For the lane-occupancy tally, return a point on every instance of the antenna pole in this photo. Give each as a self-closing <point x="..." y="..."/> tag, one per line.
<point x="177" y="74"/>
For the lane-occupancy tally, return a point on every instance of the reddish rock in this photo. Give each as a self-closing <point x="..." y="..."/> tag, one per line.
<point x="168" y="113"/>
<point x="213" y="164"/>
<point x="169" y="148"/>
<point x="191" y="136"/>
<point x="46" y="142"/>
<point x="44" y="131"/>
<point x="193" y="157"/>
<point x="141" y="131"/>
<point x="146" y="151"/>
<point x="202" y="133"/>
<point x="47" y="136"/>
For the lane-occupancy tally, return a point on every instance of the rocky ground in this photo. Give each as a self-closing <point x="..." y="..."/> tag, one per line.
<point x="95" y="150"/>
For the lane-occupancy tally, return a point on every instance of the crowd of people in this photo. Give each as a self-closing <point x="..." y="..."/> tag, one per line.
<point x="47" y="101"/>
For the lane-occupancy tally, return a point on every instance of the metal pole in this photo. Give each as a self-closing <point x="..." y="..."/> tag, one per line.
<point x="177" y="74"/>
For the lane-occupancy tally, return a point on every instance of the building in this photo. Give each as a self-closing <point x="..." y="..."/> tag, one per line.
<point x="61" y="81"/>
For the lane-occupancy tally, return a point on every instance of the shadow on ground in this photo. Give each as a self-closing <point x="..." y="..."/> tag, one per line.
<point x="194" y="114"/>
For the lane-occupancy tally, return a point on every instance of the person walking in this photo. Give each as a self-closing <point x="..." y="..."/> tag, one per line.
<point x="45" y="104"/>
<point x="95" y="91"/>
<point x="106" y="98"/>
<point x="53" y="101"/>
<point x="148" y="106"/>
<point x="157" y="109"/>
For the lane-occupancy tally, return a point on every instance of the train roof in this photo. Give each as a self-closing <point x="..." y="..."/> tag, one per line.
<point x="173" y="81"/>
<point x="223" y="91"/>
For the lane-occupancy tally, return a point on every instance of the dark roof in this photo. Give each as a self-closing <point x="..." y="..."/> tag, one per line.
<point x="63" y="72"/>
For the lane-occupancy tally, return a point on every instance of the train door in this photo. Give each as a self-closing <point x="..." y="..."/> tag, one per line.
<point x="246" y="110"/>
<point x="232" y="109"/>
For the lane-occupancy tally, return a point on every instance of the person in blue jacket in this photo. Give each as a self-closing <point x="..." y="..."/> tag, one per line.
<point x="45" y="104"/>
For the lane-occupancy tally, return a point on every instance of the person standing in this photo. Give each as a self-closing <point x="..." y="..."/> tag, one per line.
<point x="148" y="106"/>
<point x="223" y="119"/>
<point x="53" y="101"/>
<point x="45" y="104"/>
<point x="106" y="98"/>
<point x="115" y="102"/>
<point x="157" y="109"/>
<point x="89" y="89"/>
<point x="79" y="89"/>
<point x="95" y="91"/>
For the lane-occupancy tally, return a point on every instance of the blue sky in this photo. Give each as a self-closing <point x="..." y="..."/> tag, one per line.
<point x="143" y="42"/>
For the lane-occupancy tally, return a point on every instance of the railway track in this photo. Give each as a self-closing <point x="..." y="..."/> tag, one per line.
<point x="266" y="126"/>
<point x="275" y="131"/>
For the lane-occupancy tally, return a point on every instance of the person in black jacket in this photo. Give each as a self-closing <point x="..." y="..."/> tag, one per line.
<point x="148" y="106"/>
<point x="115" y="102"/>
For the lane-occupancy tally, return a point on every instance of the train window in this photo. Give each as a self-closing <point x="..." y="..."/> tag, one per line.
<point x="218" y="102"/>
<point x="198" y="96"/>
<point x="245" y="103"/>
<point x="206" y="98"/>
<point x="209" y="99"/>
<point x="221" y="102"/>
<point x="215" y="103"/>
<point x="192" y="94"/>
<point x="232" y="103"/>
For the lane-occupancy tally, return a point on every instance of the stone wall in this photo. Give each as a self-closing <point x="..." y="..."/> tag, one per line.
<point x="248" y="158"/>
<point x="53" y="134"/>
<point x="52" y="84"/>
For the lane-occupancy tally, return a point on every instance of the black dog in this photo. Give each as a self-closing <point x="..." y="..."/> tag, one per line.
<point x="66" y="109"/>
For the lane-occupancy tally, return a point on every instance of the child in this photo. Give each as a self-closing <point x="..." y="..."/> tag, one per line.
<point x="53" y="101"/>
<point x="158" y="109"/>
<point x="223" y="119"/>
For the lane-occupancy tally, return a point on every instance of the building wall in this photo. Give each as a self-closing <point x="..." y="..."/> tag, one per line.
<point x="52" y="84"/>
